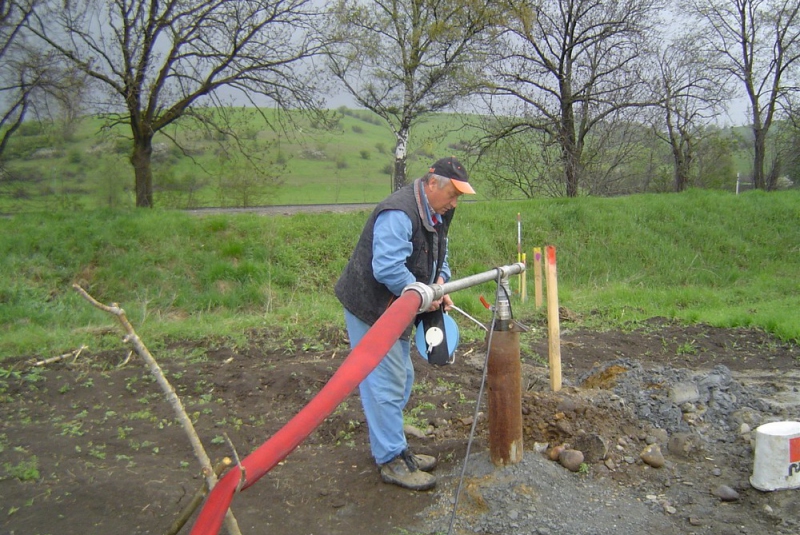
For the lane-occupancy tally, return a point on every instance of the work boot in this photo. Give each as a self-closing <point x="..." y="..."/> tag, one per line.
<point x="404" y="472"/>
<point x="426" y="463"/>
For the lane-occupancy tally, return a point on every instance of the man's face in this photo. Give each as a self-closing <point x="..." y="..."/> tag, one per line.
<point x="441" y="199"/>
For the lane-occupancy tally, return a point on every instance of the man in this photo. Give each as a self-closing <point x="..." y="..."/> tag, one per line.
<point x="404" y="241"/>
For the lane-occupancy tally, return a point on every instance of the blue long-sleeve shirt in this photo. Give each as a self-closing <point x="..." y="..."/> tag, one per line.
<point x="391" y="247"/>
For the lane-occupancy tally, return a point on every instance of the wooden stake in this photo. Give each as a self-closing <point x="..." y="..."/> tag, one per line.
<point x="553" y="327"/>
<point x="519" y="249"/>
<point x="537" y="277"/>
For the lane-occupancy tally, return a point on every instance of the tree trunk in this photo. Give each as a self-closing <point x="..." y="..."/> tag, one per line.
<point x="569" y="151"/>
<point x="681" y="166"/>
<point x="400" y="157"/>
<point x="141" y="159"/>
<point x="759" y="147"/>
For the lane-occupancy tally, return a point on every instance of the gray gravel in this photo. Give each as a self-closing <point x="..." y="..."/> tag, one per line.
<point x="708" y="416"/>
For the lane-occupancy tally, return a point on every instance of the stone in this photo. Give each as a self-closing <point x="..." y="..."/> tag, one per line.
<point x="683" y="444"/>
<point x="555" y="452"/>
<point x="726" y="493"/>
<point x="652" y="456"/>
<point x="681" y="393"/>
<point x="571" y="460"/>
<point x="593" y="446"/>
<point x="413" y="431"/>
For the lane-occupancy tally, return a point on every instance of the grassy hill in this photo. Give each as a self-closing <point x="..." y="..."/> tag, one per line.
<point x="700" y="256"/>
<point x="47" y="168"/>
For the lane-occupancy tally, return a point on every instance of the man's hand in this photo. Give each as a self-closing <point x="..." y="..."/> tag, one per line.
<point x="448" y="302"/>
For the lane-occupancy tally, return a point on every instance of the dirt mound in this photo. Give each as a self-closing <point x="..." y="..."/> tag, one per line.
<point x="89" y="446"/>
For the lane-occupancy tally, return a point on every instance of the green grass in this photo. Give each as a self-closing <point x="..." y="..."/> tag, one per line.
<point x="699" y="256"/>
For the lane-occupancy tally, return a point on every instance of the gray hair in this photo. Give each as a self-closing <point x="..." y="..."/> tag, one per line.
<point x="440" y="180"/>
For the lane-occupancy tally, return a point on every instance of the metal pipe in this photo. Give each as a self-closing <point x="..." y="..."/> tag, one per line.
<point x="434" y="292"/>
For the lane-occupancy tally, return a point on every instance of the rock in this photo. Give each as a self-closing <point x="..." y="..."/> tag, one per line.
<point x="652" y="456"/>
<point x="726" y="493"/>
<point x="660" y="435"/>
<point x="555" y="452"/>
<point x="566" y="405"/>
<point x="571" y="460"/>
<point x="744" y="429"/>
<point x="609" y="463"/>
<point x="410" y="430"/>
<point x="683" y="444"/>
<point x="681" y="393"/>
<point x="593" y="446"/>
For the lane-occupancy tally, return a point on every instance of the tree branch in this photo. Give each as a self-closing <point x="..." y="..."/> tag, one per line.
<point x="172" y="397"/>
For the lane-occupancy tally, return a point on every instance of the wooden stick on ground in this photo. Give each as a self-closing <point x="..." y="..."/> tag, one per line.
<point x="172" y="397"/>
<point x="51" y="360"/>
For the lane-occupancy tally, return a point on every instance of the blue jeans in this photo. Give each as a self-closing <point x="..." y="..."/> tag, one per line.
<point x="384" y="393"/>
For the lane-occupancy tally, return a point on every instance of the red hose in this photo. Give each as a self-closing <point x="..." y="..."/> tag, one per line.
<point x="358" y="364"/>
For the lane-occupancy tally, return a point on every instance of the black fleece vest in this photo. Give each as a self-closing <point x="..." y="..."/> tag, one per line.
<point x="357" y="289"/>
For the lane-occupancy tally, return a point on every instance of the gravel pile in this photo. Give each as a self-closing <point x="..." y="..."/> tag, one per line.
<point x="712" y="404"/>
<point x="710" y="411"/>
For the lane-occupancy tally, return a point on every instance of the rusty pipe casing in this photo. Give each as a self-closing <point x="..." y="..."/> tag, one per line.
<point x="504" y="383"/>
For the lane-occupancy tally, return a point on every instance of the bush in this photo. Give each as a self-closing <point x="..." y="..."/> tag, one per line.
<point x="30" y="128"/>
<point x="357" y="129"/>
<point x="364" y="154"/>
<point x="75" y="156"/>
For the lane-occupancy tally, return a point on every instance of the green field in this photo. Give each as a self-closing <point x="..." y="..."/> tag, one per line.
<point x="348" y="162"/>
<point x="699" y="256"/>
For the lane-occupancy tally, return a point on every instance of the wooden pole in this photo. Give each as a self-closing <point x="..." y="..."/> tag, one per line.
<point x="519" y="249"/>
<point x="553" y="327"/>
<point x="537" y="276"/>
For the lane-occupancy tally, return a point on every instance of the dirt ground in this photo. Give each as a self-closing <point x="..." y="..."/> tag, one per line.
<point x="89" y="445"/>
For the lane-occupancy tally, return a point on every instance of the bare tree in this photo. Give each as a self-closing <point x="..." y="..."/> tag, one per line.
<point x="161" y="60"/>
<point x="690" y="93"/>
<point x="758" y="41"/>
<point x="405" y="59"/>
<point x="568" y="68"/>
<point x="17" y="79"/>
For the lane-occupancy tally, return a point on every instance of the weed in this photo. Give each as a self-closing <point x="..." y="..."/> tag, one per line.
<point x="687" y="348"/>
<point x="72" y="429"/>
<point x="583" y="468"/>
<point x="27" y="470"/>
<point x="447" y="385"/>
<point x="143" y="414"/>
<point x="313" y="346"/>
<point x="97" y="450"/>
